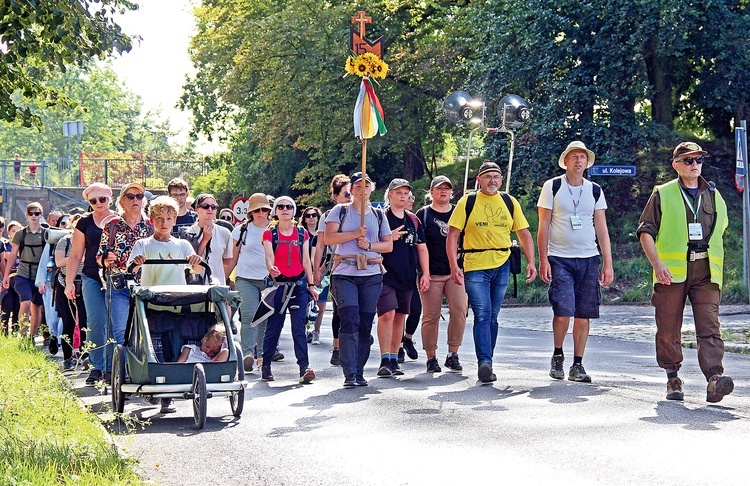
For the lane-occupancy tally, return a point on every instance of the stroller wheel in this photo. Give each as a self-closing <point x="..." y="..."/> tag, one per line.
<point x="199" y="396"/>
<point x="237" y="401"/>
<point x="118" y="378"/>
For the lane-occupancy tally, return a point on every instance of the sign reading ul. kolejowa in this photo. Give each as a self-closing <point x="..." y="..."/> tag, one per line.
<point x="612" y="170"/>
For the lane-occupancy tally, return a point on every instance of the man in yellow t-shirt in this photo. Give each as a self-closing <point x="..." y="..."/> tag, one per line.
<point x="486" y="269"/>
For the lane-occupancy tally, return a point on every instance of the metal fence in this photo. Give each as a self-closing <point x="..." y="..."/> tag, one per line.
<point x="116" y="172"/>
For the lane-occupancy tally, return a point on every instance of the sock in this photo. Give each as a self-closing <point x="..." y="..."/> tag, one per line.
<point x="577" y="360"/>
<point x="385" y="358"/>
<point x="671" y="374"/>
<point x="557" y="352"/>
<point x="393" y="356"/>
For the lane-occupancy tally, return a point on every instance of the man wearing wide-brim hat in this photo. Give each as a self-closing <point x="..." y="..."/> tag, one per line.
<point x="571" y="221"/>
<point x="681" y="231"/>
<point x="486" y="265"/>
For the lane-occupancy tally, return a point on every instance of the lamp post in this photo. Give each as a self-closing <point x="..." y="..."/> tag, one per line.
<point x="460" y="108"/>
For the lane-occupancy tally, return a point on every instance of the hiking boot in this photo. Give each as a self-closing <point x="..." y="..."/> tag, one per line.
<point x="718" y="387"/>
<point x="307" y="377"/>
<point x="401" y="355"/>
<point x="674" y="389"/>
<point x="556" y="370"/>
<point x="385" y="368"/>
<point x="451" y="362"/>
<point x="433" y="366"/>
<point x="350" y="381"/>
<point x="93" y="377"/>
<point x="411" y="351"/>
<point x="316" y="338"/>
<point x="485" y="373"/>
<point x="335" y="357"/>
<point x="395" y="368"/>
<point x="577" y="373"/>
<point x="277" y="356"/>
<point x="248" y="362"/>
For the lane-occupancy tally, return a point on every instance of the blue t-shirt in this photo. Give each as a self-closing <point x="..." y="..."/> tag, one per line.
<point x="350" y="248"/>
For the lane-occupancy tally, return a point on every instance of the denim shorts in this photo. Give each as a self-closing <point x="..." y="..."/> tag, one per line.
<point x="391" y="298"/>
<point x="26" y="290"/>
<point x="574" y="289"/>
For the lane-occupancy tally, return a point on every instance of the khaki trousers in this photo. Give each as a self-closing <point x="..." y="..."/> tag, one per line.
<point x="669" y="301"/>
<point x="432" y="301"/>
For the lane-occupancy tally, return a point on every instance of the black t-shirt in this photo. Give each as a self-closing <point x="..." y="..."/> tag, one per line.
<point x="436" y="232"/>
<point x="402" y="263"/>
<point x="182" y="223"/>
<point x="93" y="235"/>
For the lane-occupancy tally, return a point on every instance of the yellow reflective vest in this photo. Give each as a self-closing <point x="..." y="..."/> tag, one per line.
<point x="672" y="239"/>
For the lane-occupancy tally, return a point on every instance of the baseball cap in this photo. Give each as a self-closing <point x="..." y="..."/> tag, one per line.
<point x="687" y="148"/>
<point x="357" y="176"/>
<point x="396" y="183"/>
<point x="441" y="179"/>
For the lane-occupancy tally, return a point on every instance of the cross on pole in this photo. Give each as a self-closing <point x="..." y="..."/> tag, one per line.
<point x="362" y="19"/>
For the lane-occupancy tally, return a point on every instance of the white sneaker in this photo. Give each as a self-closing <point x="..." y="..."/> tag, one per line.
<point x="316" y="338"/>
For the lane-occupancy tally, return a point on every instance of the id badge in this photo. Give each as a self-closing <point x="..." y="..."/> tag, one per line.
<point x="576" y="222"/>
<point x="695" y="231"/>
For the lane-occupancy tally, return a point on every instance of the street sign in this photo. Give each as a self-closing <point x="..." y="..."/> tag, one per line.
<point x="239" y="209"/>
<point x="612" y="170"/>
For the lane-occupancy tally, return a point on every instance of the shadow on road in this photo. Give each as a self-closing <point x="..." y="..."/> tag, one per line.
<point x="703" y="418"/>
<point x="566" y="392"/>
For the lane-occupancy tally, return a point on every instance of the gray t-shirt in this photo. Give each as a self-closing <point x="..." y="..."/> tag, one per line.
<point x="351" y="223"/>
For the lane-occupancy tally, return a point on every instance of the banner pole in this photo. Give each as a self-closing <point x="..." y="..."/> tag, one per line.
<point x="364" y="181"/>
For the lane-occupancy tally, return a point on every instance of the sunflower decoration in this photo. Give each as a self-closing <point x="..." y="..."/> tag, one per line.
<point x="366" y="65"/>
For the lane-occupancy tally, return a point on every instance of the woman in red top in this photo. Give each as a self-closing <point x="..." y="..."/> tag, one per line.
<point x="288" y="261"/>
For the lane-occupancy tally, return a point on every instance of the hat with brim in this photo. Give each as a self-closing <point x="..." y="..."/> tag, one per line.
<point x="441" y="179"/>
<point x="133" y="185"/>
<point x="258" y="201"/>
<point x="577" y="145"/>
<point x="397" y="183"/>
<point x="687" y="148"/>
<point x="97" y="189"/>
<point x="357" y="176"/>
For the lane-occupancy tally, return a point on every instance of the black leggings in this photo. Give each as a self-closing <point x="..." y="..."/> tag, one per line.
<point x="11" y="304"/>
<point x="415" y="312"/>
<point x="66" y="309"/>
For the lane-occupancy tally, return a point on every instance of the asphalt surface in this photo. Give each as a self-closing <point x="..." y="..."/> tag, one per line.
<point x="442" y="428"/>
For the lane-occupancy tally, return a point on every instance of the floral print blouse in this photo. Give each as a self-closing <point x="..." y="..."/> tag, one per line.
<point x="125" y="237"/>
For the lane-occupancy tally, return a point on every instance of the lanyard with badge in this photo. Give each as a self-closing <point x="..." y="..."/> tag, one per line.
<point x="695" y="230"/>
<point x="575" y="220"/>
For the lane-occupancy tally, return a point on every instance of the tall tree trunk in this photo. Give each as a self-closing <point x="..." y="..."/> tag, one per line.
<point x="413" y="160"/>
<point x="657" y="70"/>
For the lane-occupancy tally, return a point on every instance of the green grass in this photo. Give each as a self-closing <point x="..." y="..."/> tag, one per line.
<point x="46" y="437"/>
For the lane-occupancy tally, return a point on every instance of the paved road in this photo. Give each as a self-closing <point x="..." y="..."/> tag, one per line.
<point x="446" y="428"/>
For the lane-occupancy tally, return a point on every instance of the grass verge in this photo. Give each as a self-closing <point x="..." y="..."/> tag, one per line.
<point x="46" y="437"/>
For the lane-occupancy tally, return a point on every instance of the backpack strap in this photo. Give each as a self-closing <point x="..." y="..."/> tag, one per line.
<point x="596" y="189"/>
<point x="298" y="243"/>
<point x="470" y="201"/>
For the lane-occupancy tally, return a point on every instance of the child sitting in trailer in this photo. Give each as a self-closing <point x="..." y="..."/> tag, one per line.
<point x="213" y="348"/>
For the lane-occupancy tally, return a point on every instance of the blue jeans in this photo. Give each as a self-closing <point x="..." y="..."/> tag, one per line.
<point x="96" y="320"/>
<point x="118" y="318"/>
<point x="297" y="309"/>
<point x="251" y="337"/>
<point x="486" y="290"/>
<point x="356" y="299"/>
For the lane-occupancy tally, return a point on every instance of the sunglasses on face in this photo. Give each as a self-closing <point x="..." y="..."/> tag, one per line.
<point x="311" y="215"/>
<point x="261" y="210"/>
<point x="101" y="199"/>
<point x="134" y="196"/>
<point x="693" y="160"/>
<point x="34" y="213"/>
<point x="212" y="207"/>
<point x="347" y="194"/>
<point x="227" y="218"/>
<point x="285" y="207"/>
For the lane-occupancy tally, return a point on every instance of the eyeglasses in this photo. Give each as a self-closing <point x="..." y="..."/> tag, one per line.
<point x="692" y="160"/>
<point x="134" y="196"/>
<point x="284" y="207"/>
<point x="212" y="207"/>
<point x="260" y="210"/>
<point x="492" y="177"/>
<point x="101" y="199"/>
<point x="178" y="194"/>
<point x="311" y="215"/>
<point x="227" y="218"/>
<point x="34" y="213"/>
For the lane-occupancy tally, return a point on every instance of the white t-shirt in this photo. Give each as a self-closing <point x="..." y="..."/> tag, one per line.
<point x="221" y="247"/>
<point x="349" y="248"/>
<point x="166" y="274"/>
<point x="564" y="241"/>
<point x="251" y="263"/>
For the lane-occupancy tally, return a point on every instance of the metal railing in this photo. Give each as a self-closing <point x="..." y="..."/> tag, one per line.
<point x="116" y="172"/>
